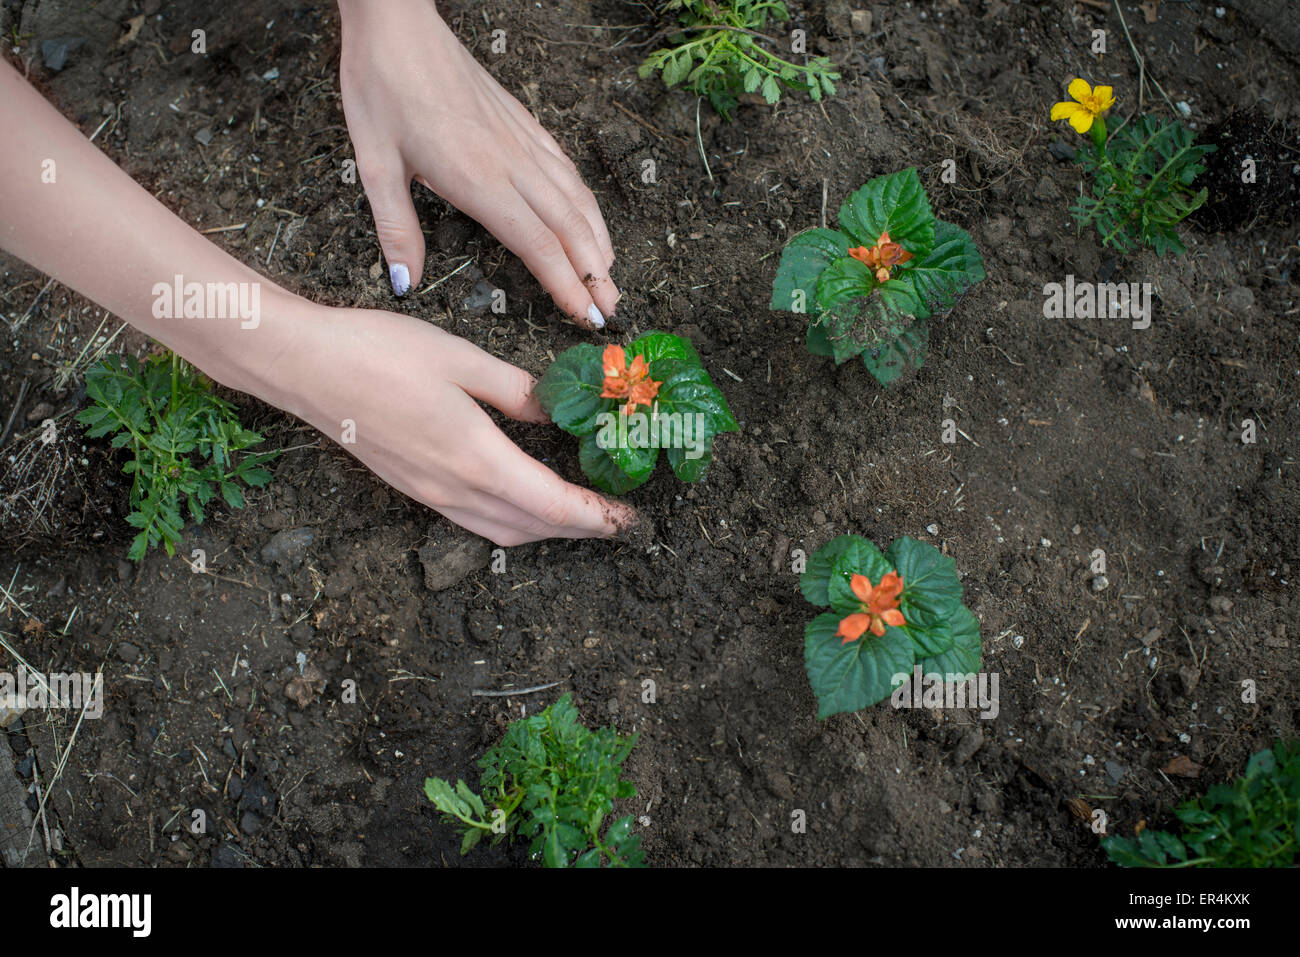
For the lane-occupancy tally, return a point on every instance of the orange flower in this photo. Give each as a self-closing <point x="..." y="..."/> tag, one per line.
<point x="879" y="607"/>
<point x="630" y="382"/>
<point x="882" y="257"/>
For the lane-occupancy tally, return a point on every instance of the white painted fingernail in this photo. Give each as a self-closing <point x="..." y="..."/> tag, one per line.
<point x="596" y="318"/>
<point x="400" y="277"/>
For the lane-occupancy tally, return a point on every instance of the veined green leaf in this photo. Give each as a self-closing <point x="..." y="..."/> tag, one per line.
<point x="853" y="676"/>
<point x="895" y="204"/>
<point x="570" y="390"/>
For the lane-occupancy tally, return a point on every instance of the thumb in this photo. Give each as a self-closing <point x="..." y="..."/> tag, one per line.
<point x="398" y="228"/>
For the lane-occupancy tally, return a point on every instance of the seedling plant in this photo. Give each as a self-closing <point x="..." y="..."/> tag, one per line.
<point x="889" y="611"/>
<point x="625" y="405"/>
<point x="1253" y="821"/>
<point x="1140" y="179"/>
<point x="869" y="286"/>
<point x="552" y="782"/>
<point x="184" y="442"/>
<point x="720" y="53"/>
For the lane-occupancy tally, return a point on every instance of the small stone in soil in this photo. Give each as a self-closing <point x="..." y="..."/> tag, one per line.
<point x="444" y="569"/>
<point x="289" y="547"/>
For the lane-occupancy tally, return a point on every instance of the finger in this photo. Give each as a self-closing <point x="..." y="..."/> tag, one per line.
<point x="501" y="385"/>
<point x="521" y="231"/>
<point x="389" y="190"/>
<point x="599" y="284"/>
<point x="527" y="484"/>
<point x="565" y="173"/>
<point x="569" y="224"/>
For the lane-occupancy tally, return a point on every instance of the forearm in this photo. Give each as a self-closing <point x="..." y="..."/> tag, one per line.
<point x="68" y="210"/>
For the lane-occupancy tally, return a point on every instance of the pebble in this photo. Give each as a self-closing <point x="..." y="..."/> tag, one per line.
<point x="1100" y="583"/>
<point x="1062" y="152"/>
<point x="932" y="528"/>
<point x="289" y="547"/>
<point x="480" y="297"/>
<point x="1115" y="772"/>
<point x="442" y="569"/>
<point x="128" y="652"/>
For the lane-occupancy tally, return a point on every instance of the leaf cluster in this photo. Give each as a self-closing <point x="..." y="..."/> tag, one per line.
<point x="719" y="53"/>
<point x="1252" y="821"/>
<point x="183" y="441"/>
<point x="570" y="392"/>
<point x="1141" y="185"/>
<point x="851" y="312"/>
<point x="941" y="634"/>
<point x="552" y="782"/>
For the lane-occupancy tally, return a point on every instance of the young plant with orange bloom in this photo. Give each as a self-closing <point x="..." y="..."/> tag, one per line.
<point x="867" y="645"/>
<point x="625" y="405"/>
<point x="1141" y="177"/>
<point x="869" y="286"/>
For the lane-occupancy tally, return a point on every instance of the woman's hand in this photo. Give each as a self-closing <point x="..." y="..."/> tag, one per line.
<point x="403" y="391"/>
<point x="420" y="107"/>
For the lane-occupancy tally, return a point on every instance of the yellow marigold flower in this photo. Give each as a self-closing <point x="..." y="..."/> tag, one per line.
<point x="1090" y="104"/>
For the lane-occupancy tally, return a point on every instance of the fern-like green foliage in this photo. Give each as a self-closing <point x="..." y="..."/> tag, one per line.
<point x="183" y="440"/>
<point x="550" y="781"/>
<point x="1141" y="186"/>
<point x="720" y="53"/>
<point x="1253" y="821"/>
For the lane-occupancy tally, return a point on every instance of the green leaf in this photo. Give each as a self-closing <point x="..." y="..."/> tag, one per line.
<point x="895" y="204"/>
<point x="554" y="854"/>
<point x="814" y="582"/>
<point x="602" y="470"/>
<point x="659" y="346"/>
<point x="231" y="493"/>
<point x="849" y="677"/>
<point x="931" y="589"/>
<point x="688" y="390"/>
<point x="804" y="258"/>
<point x="964" y="655"/>
<point x="688" y="469"/>
<point x="858" y="316"/>
<point x="570" y="390"/>
<point x="771" y="90"/>
<point x="618" y="831"/>
<point x="859" y="557"/>
<point x="889" y="361"/>
<point x="634" y="460"/>
<point x="952" y="266"/>
<point x="817" y="342"/>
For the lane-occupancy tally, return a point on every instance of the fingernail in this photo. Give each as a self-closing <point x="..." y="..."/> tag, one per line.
<point x="596" y="318"/>
<point x="400" y="277"/>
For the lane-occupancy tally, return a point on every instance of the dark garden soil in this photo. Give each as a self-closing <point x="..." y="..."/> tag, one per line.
<point x="1076" y="435"/>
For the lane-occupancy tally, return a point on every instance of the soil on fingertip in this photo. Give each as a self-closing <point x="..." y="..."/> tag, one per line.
<point x="1077" y="437"/>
